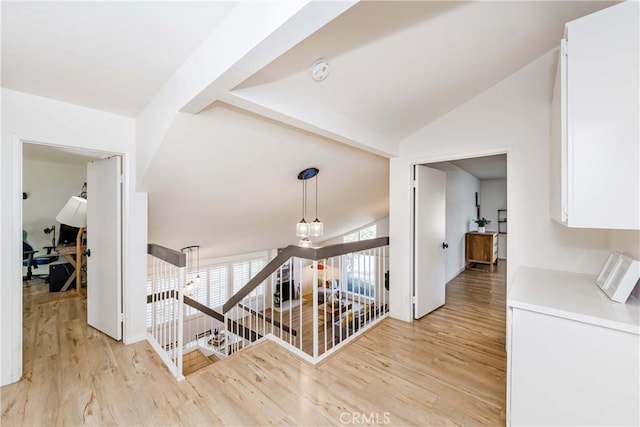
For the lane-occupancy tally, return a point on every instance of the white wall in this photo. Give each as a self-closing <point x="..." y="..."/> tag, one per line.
<point x="512" y="117"/>
<point x="49" y="184"/>
<point x="461" y="188"/>
<point x="493" y="196"/>
<point x="382" y="230"/>
<point x="626" y="242"/>
<point x="37" y="119"/>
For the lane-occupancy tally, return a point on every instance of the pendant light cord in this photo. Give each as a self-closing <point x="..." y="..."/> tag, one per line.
<point x="304" y="197"/>
<point x="316" y="196"/>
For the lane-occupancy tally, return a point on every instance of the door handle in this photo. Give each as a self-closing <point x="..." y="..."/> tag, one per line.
<point x="88" y="252"/>
<point x="445" y="245"/>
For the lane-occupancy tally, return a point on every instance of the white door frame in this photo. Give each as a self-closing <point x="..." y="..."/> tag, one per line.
<point x="15" y="257"/>
<point x="449" y="158"/>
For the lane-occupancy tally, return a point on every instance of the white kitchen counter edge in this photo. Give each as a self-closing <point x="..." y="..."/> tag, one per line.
<point x="573" y="296"/>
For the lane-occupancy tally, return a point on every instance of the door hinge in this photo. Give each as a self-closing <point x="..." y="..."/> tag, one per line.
<point x="122" y="317"/>
<point x="414" y="299"/>
<point x="564" y="47"/>
<point x="121" y="178"/>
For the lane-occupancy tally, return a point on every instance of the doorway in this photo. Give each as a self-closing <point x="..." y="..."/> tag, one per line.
<point x="474" y="188"/>
<point x="52" y="177"/>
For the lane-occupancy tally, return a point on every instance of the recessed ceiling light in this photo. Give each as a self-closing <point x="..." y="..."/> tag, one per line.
<point x="320" y="70"/>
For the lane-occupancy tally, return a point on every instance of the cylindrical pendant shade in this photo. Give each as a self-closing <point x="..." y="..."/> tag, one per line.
<point x="305" y="243"/>
<point x="74" y="213"/>
<point x="303" y="229"/>
<point x="317" y="228"/>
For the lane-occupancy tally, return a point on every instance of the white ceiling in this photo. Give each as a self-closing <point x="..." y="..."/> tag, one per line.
<point x="397" y="66"/>
<point x="47" y="153"/>
<point x="111" y="56"/>
<point x="226" y="178"/>
<point x="485" y="168"/>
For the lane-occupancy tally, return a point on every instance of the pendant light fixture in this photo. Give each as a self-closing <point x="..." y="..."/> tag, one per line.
<point x="303" y="228"/>
<point x="317" y="228"/>
<point x="304" y="242"/>
<point x="191" y="285"/>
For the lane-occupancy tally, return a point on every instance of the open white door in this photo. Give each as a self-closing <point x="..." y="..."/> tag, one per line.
<point x="429" y="240"/>
<point x="104" y="246"/>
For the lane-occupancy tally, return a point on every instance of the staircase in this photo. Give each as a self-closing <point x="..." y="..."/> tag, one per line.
<point x="196" y="360"/>
<point x="346" y="294"/>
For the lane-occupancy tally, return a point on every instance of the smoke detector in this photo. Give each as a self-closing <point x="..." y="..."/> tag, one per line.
<point x="320" y="70"/>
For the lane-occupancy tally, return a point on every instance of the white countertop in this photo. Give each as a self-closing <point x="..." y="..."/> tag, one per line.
<point x="572" y="296"/>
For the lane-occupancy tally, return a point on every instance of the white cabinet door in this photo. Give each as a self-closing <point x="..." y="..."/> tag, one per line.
<point x="564" y="372"/>
<point x="558" y="154"/>
<point x="603" y="132"/>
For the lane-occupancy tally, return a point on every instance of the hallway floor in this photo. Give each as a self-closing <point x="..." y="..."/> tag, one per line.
<point x="448" y="368"/>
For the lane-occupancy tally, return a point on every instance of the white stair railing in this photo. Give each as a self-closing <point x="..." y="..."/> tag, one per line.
<point x="165" y="303"/>
<point x="314" y="303"/>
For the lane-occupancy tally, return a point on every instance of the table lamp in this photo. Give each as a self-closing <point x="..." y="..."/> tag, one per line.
<point x="74" y="214"/>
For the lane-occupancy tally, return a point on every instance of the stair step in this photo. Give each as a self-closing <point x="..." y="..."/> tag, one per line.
<point x="194" y="361"/>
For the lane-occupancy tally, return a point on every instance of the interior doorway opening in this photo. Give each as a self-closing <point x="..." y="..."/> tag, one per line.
<point x="53" y="177"/>
<point x="475" y="189"/>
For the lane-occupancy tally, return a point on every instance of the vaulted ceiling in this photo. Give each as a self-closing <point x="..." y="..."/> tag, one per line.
<point x="224" y="172"/>
<point x="397" y="66"/>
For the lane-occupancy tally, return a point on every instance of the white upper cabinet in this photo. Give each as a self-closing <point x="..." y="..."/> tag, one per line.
<point x="595" y="135"/>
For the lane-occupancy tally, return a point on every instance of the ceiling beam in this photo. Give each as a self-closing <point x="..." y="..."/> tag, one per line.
<point x="323" y="124"/>
<point x="250" y="37"/>
<point x="254" y="53"/>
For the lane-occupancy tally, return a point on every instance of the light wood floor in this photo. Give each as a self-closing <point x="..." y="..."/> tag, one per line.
<point x="446" y="369"/>
<point x="301" y="319"/>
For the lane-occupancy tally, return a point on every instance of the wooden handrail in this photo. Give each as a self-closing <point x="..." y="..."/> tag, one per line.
<point x="313" y="254"/>
<point x="203" y="308"/>
<point x="267" y="319"/>
<point x="232" y="325"/>
<point x="179" y="259"/>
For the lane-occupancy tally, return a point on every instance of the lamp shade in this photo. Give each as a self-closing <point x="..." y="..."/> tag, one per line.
<point x="305" y="243"/>
<point x="74" y="213"/>
<point x="303" y="229"/>
<point x="317" y="228"/>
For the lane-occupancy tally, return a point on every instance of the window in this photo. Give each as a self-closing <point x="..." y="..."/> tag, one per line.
<point x="212" y="289"/>
<point x="196" y="289"/>
<point x="256" y="266"/>
<point x="360" y="268"/>
<point x="245" y="271"/>
<point x="366" y="233"/>
<point x="217" y="283"/>
<point x="241" y="275"/>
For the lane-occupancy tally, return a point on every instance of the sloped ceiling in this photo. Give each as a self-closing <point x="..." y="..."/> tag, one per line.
<point x="227" y="180"/>
<point x="397" y="66"/>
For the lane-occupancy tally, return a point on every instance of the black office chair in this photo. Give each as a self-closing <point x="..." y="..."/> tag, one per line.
<point x="32" y="262"/>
